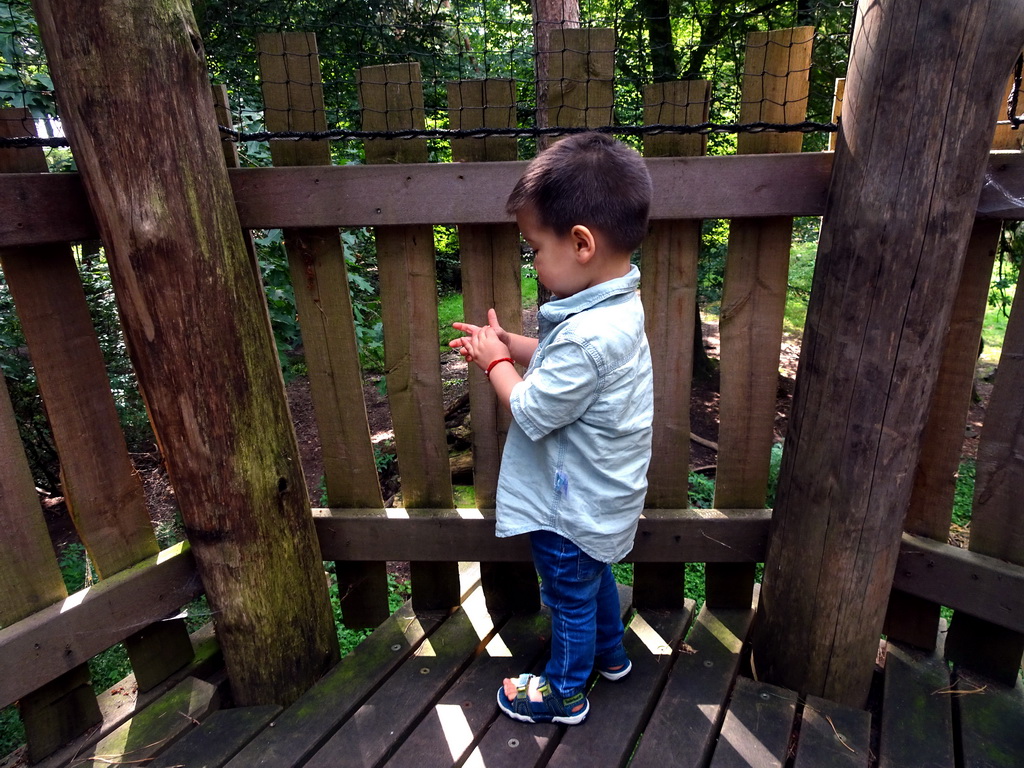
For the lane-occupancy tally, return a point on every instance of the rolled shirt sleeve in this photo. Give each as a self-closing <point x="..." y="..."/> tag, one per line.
<point x="559" y="392"/>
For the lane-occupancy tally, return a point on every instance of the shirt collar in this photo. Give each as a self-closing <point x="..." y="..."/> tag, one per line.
<point x="558" y="310"/>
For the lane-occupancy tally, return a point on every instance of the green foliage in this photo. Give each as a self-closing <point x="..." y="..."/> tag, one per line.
<point x="277" y="284"/>
<point x="702" y="491"/>
<point x="446" y="252"/>
<point x="12" y="731"/>
<point x="963" y="495"/>
<point x="773" y="474"/>
<point x="465" y="496"/>
<point x="449" y="310"/>
<point x="399" y="590"/>
<point x="384" y="456"/>
<point x="24" y="77"/>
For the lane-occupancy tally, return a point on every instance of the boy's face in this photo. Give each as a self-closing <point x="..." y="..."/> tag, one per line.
<point x="554" y="256"/>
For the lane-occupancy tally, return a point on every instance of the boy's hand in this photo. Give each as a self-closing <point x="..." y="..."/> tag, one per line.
<point x="483" y="344"/>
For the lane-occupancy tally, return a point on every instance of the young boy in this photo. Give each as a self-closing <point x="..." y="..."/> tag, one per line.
<point x="574" y="470"/>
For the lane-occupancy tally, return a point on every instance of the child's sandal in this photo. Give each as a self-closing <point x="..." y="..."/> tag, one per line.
<point x="615" y="665"/>
<point x="616" y="674"/>
<point x="550" y="709"/>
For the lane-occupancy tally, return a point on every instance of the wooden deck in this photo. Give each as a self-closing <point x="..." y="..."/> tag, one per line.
<point x="420" y="692"/>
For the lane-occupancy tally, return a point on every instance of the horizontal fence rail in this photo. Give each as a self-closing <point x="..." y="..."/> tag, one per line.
<point x="54" y="640"/>
<point x="44" y="208"/>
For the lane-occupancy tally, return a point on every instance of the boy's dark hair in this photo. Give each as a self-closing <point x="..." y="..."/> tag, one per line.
<point x="589" y="179"/>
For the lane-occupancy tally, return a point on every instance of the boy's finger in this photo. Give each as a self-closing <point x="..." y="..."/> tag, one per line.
<point x="492" y="318"/>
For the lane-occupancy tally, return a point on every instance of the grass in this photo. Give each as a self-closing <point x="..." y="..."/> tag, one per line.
<point x="450" y="308"/>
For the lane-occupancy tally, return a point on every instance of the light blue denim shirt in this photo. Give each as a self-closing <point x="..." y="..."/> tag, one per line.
<point x="576" y="456"/>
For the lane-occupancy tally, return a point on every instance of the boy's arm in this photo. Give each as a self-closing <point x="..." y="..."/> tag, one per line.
<point x="522" y="348"/>
<point x="504" y="377"/>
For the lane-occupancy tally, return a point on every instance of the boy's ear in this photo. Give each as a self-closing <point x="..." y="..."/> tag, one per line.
<point x="584" y="242"/>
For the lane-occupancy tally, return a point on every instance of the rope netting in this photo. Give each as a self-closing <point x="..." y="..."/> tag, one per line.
<point x="450" y="40"/>
<point x="546" y="49"/>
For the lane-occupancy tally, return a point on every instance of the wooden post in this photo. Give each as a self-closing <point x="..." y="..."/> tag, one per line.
<point x="912" y="619"/>
<point x="920" y="102"/>
<point x="491" y="277"/>
<point x="997" y="529"/>
<point x="293" y="96"/>
<point x="136" y="106"/>
<point x="668" y="288"/>
<point x="774" y="90"/>
<point x="391" y="98"/>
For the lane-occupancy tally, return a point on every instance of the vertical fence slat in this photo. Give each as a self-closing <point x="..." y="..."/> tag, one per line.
<point x="29" y="581"/>
<point x="391" y="98"/>
<point x="103" y="493"/>
<point x="669" y="293"/>
<point x="912" y="619"/>
<point x="775" y="87"/>
<point x="491" y="277"/>
<point x="997" y="526"/>
<point x="293" y="97"/>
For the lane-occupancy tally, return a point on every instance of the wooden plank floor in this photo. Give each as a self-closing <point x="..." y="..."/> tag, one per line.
<point x="421" y="692"/>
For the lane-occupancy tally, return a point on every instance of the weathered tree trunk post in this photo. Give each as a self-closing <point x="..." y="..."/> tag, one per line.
<point x="920" y="106"/>
<point x="136" y="105"/>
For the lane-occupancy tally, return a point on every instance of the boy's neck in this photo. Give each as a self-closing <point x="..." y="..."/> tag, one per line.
<point x="608" y="267"/>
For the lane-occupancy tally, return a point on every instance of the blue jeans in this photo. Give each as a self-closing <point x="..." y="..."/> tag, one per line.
<point x="586" y="621"/>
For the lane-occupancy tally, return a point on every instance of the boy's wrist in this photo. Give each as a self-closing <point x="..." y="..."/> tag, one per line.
<point x="494" y="363"/>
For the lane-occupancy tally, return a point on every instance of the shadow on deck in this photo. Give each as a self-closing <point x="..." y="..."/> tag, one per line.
<point x="421" y="692"/>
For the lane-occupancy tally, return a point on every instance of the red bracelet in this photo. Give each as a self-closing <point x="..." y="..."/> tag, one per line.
<point x="494" y="363"/>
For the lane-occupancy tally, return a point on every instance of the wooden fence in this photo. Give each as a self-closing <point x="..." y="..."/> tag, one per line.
<point x="48" y="636"/>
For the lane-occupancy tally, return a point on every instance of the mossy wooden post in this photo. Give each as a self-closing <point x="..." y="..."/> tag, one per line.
<point x="997" y="526"/>
<point x="912" y="619"/>
<point x="293" y="96"/>
<point x="491" y="277"/>
<point x="904" y="189"/>
<point x="391" y="98"/>
<point x="29" y="581"/>
<point x="774" y="90"/>
<point x="668" y="287"/>
<point x="135" y="102"/>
